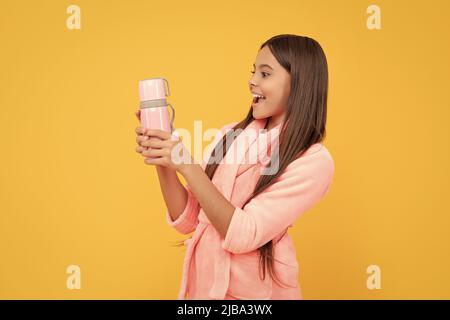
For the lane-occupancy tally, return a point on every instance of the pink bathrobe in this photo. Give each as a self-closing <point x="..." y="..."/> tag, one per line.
<point x="222" y="269"/>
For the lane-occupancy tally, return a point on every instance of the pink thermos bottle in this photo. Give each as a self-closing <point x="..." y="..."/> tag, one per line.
<point x="153" y="107"/>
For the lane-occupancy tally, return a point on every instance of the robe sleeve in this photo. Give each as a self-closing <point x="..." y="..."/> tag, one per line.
<point x="302" y="184"/>
<point x="188" y="220"/>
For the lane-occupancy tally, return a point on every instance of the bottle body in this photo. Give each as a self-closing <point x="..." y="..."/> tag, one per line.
<point x="154" y="107"/>
<point x="156" y="118"/>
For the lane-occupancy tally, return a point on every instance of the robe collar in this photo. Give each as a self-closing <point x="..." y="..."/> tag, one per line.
<point x="249" y="147"/>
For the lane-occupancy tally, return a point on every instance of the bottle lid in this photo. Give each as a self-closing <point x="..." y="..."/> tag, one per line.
<point x="153" y="89"/>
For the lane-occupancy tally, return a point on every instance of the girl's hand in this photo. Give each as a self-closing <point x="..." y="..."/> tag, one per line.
<point x="165" y="149"/>
<point x="140" y="136"/>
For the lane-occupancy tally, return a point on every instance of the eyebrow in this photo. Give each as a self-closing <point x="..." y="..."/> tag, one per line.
<point x="264" y="65"/>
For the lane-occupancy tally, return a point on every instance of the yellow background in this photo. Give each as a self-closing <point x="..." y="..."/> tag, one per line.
<point x="73" y="190"/>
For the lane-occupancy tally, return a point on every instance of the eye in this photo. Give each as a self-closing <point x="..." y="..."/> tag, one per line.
<point x="263" y="73"/>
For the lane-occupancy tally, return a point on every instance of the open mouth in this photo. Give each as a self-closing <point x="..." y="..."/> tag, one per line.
<point x="257" y="100"/>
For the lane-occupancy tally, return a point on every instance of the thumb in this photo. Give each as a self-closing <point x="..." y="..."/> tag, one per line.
<point x="175" y="136"/>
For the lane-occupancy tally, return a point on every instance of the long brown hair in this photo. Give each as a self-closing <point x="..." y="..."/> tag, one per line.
<point x="305" y="118"/>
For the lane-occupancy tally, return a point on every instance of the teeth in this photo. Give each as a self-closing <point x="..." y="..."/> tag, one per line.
<point x="257" y="96"/>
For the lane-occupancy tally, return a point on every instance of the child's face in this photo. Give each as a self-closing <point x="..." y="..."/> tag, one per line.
<point x="271" y="82"/>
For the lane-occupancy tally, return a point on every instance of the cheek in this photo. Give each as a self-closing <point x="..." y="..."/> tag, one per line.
<point x="269" y="109"/>
<point x="276" y="103"/>
<point x="275" y="108"/>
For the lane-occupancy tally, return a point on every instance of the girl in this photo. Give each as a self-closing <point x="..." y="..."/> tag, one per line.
<point x="240" y="212"/>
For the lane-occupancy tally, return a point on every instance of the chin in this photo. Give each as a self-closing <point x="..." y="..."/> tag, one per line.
<point x="258" y="115"/>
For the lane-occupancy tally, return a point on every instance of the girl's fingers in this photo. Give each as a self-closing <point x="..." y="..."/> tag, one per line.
<point x="140" y="139"/>
<point x="163" y="135"/>
<point x="138" y="114"/>
<point x="153" y="142"/>
<point x="140" y="130"/>
<point x="154" y="153"/>
<point x="139" y="149"/>
<point x="155" y="161"/>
